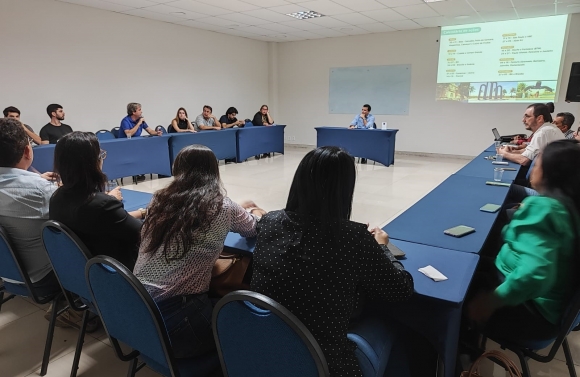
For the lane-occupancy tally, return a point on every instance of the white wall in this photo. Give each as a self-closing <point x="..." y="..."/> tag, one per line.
<point x="94" y="62"/>
<point x="432" y="127"/>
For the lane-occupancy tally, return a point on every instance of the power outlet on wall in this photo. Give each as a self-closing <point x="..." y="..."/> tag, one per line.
<point x="289" y="138"/>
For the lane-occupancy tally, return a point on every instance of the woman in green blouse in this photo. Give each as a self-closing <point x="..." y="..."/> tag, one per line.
<point x="536" y="268"/>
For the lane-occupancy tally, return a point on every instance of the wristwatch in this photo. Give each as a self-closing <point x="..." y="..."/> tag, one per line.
<point x="143" y="213"/>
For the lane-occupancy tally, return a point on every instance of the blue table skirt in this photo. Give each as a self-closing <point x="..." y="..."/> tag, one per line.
<point x="222" y="142"/>
<point x="253" y="141"/>
<point x="125" y="157"/>
<point x="376" y="145"/>
<point x="455" y="202"/>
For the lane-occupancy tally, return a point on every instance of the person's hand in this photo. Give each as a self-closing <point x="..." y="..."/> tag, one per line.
<point x="116" y="193"/>
<point x="380" y="235"/>
<point x="248" y="204"/>
<point x="49" y="176"/>
<point x="576" y="135"/>
<point x="350" y="127"/>
<point x="258" y="212"/>
<point x="141" y="120"/>
<point x="363" y="116"/>
<point x="191" y="130"/>
<point x="159" y="132"/>
<point x="482" y="306"/>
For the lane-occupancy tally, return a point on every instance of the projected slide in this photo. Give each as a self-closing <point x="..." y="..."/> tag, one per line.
<point x="507" y="61"/>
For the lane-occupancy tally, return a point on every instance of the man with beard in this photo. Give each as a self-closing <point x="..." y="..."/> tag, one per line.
<point x="54" y="130"/>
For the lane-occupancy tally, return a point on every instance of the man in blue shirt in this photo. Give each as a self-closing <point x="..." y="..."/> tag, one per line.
<point x="365" y="120"/>
<point x="133" y="124"/>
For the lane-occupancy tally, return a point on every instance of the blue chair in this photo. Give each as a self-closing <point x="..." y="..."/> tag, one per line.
<point x="68" y="256"/>
<point x="105" y="135"/>
<point x="256" y="336"/>
<point x="530" y="170"/>
<point x="12" y="268"/>
<point x="248" y="123"/>
<point x="160" y="127"/>
<point x="130" y="315"/>
<point x="527" y="350"/>
<point x="115" y="131"/>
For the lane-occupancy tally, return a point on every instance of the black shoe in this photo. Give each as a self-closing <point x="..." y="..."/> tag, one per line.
<point x="141" y="178"/>
<point x="257" y="157"/>
<point x="363" y="160"/>
<point x="230" y="160"/>
<point x="266" y="155"/>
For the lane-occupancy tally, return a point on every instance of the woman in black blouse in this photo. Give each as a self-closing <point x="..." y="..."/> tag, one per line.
<point x="317" y="263"/>
<point x="81" y="203"/>
<point x="181" y="122"/>
<point x="262" y="117"/>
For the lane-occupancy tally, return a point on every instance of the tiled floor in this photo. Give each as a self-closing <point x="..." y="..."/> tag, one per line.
<point x="380" y="195"/>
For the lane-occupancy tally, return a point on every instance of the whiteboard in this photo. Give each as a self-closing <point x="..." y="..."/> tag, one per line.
<point x="387" y="88"/>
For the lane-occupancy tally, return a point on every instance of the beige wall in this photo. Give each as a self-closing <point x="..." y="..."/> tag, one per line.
<point x="432" y="127"/>
<point x="94" y="62"/>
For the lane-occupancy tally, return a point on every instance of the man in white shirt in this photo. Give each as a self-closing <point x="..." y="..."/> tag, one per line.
<point x="544" y="133"/>
<point x="24" y="199"/>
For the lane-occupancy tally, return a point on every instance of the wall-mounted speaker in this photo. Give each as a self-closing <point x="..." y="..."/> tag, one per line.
<point x="573" y="92"/>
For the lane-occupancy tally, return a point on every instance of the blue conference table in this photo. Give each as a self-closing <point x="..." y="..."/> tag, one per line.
<point x="133" y="200"/>
<point x="252" y="140"/>
<point x="374" y="144"/>
<point x="454" y="202"/>
<point x="221" y="142"/>
<point x="125" y="157"/>
<point x="480" y="167"/>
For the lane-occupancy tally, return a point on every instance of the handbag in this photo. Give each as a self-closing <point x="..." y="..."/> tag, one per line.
<point x="228" y="274"/>
<point x="500" y="358"/>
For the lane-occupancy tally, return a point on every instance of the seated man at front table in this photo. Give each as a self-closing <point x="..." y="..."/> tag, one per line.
<point x="229" y="120"/>
<point x="54" y="130"/>
<point x="564" y="122"/>
<point x="365" y="120"/>
<point x="133" y="124"/>
<point x="544" y="133"/>
<point x="206" y="120"/>
<point x="14" y="113"/>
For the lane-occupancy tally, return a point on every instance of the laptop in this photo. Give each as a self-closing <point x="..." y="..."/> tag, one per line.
<point x="504" y="139"/>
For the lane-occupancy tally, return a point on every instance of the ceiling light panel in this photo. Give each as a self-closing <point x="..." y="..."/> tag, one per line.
<point x="304" y="15"/>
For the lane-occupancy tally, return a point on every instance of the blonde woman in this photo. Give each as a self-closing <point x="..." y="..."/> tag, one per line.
<point x="181" y="122"/>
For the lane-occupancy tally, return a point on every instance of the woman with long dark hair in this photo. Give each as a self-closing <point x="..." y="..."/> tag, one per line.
<point x="183" y="235"/>
<point x="81" y="203"/>
<point x="318" y="264"/>
<point x="181" y="122"/>
<point x="534" y="275"/>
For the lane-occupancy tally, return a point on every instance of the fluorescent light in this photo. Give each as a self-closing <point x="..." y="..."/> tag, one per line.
<point x="303" y="15"/>
<point x="433" y="1"/>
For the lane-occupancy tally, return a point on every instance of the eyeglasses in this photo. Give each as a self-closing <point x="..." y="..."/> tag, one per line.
<point x="102" y="155"/>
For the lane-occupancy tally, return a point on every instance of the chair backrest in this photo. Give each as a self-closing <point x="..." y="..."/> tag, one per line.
<point x="128" y="312"/>
<point x="105" y="135"/>
<point x="530" y="169"/>
<point x="11" y="267"/>
<point x="115" y="131"/>
<point x="160" y="127"/>
<point x="249" y="123"/>
<point x="256" y="336"/>
<point x="68" y="256"/>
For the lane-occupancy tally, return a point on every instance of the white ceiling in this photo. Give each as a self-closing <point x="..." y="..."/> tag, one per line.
<point x="266" y="20"/>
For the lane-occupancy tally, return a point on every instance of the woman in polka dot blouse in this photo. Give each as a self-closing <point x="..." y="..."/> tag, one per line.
<point x="317" y="263"/>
